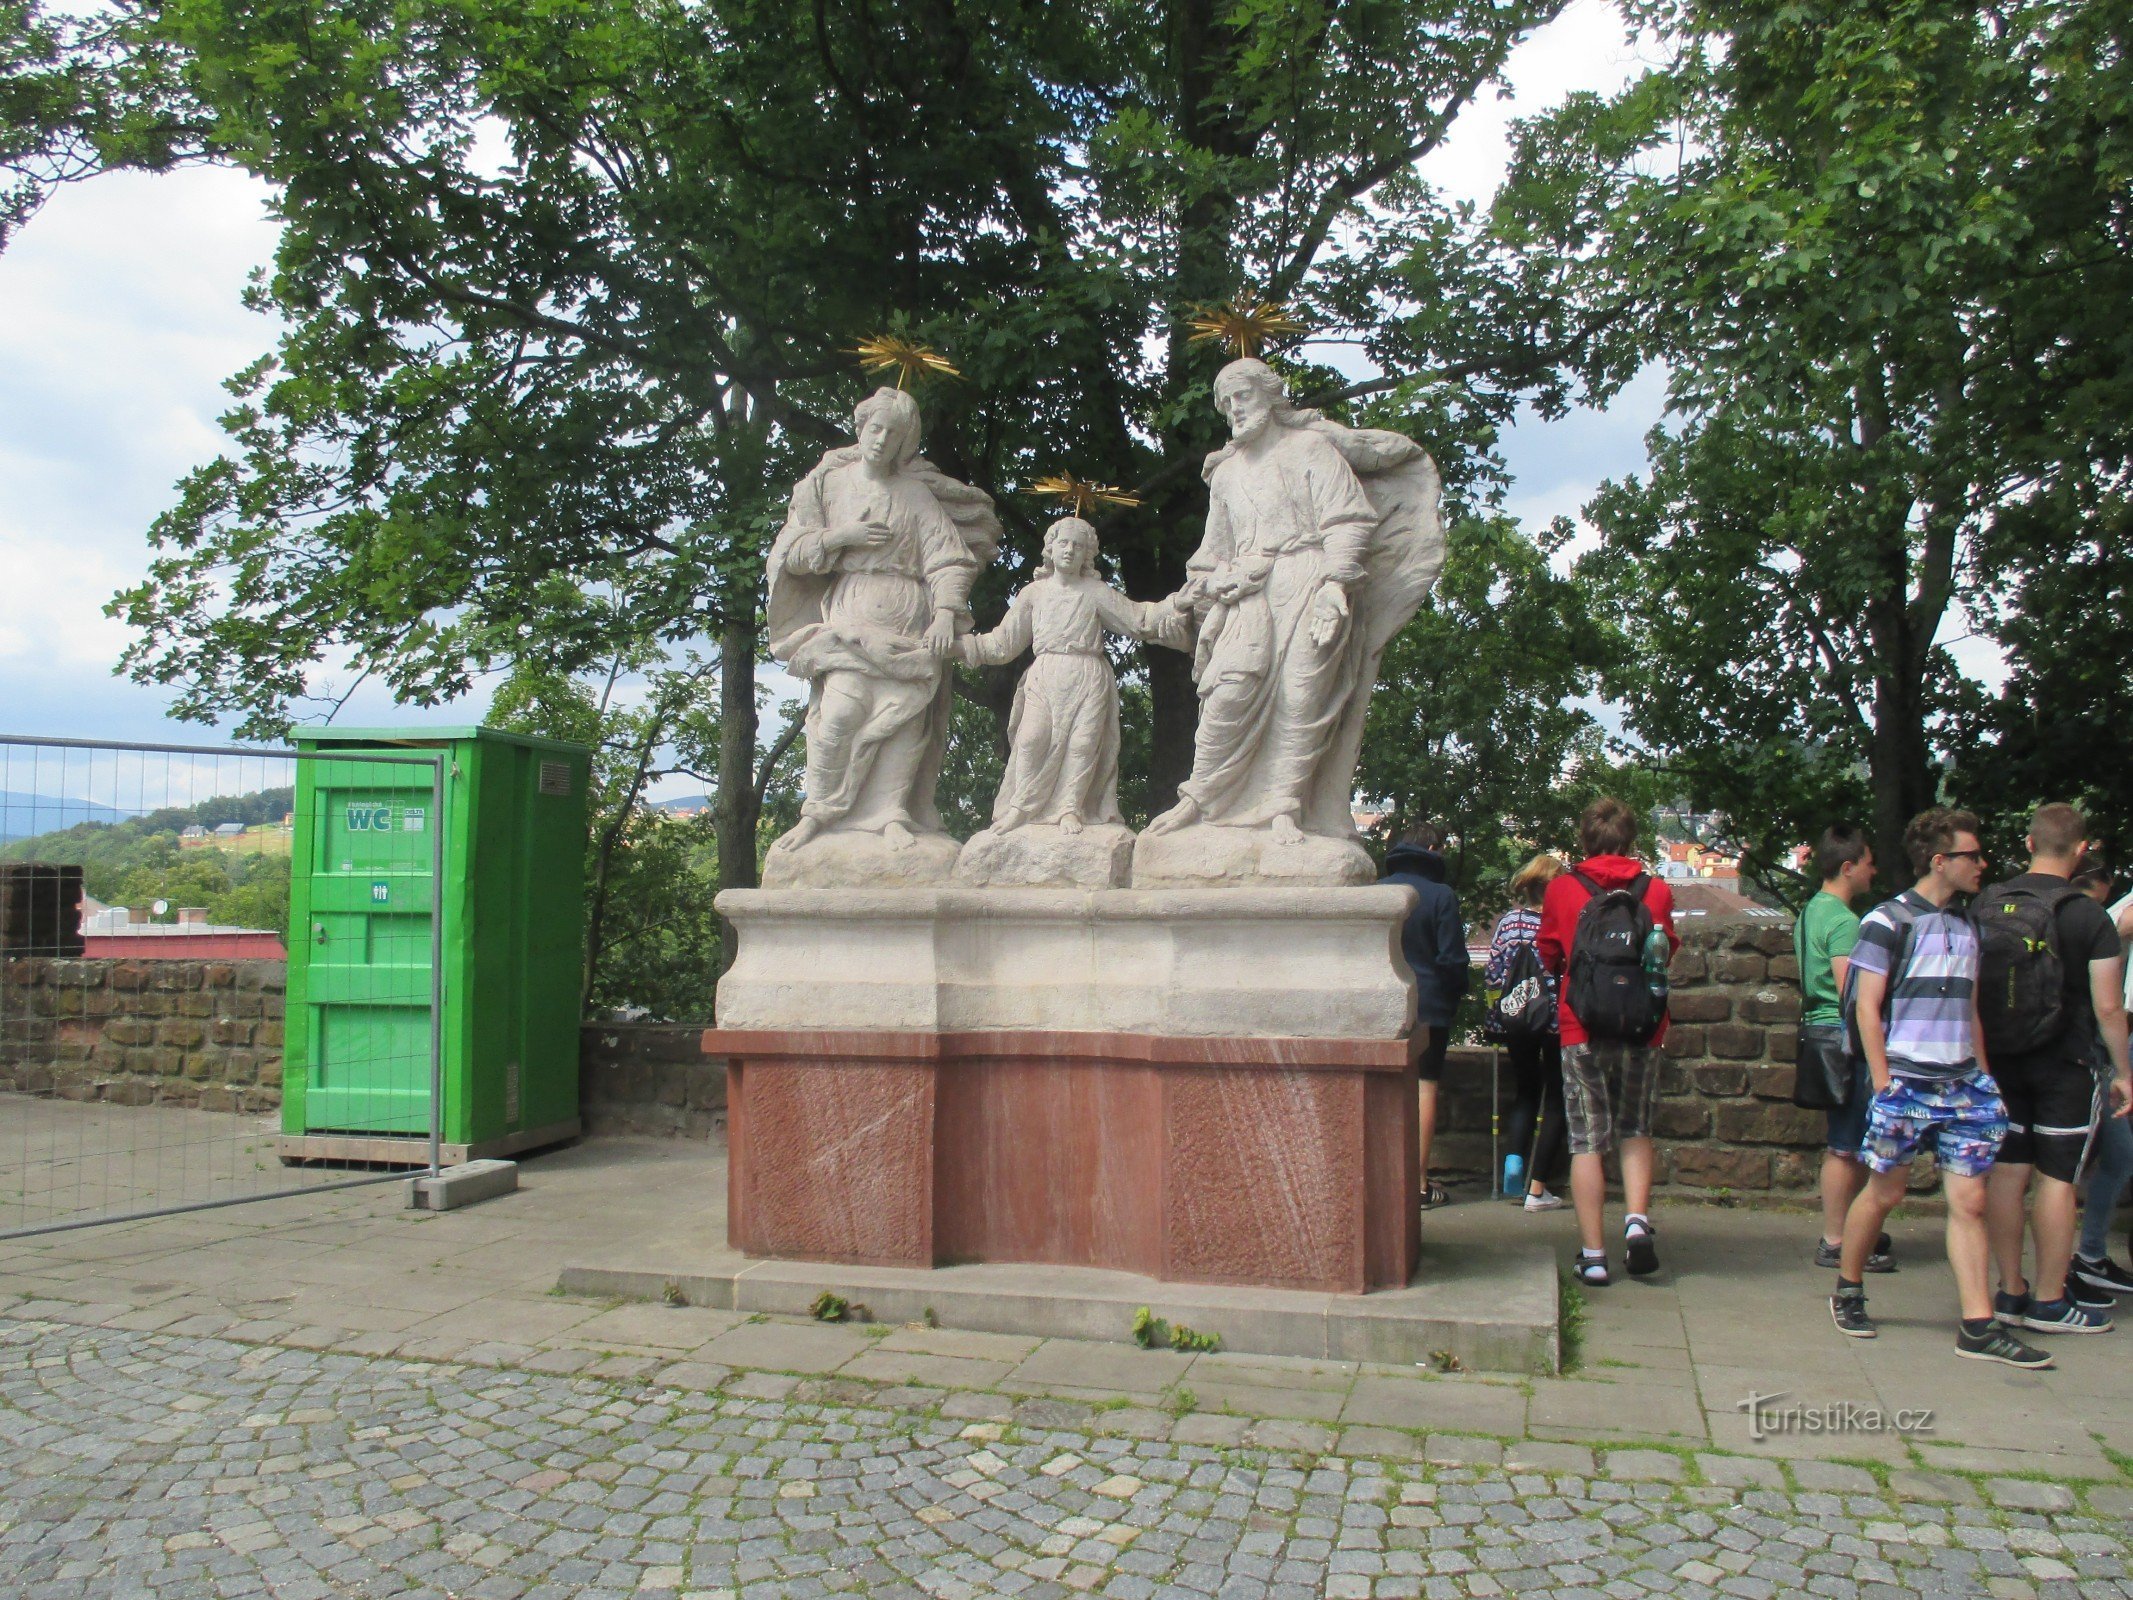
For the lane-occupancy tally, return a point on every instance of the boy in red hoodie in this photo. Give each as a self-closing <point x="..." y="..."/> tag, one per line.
<point x="1604" y="1114"/>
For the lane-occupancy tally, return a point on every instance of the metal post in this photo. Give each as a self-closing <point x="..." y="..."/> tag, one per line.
<point x="437" y="765"/>
<point x="1495" y="1123"/>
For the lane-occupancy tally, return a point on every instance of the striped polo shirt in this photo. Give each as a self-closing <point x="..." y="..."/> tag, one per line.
<point x="1930" y="1001"/>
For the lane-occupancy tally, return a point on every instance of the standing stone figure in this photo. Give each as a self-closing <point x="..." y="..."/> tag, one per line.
<point x="869" y="587"/>
<point x="1321" y="542"/>
<point x="1062" y="762"/>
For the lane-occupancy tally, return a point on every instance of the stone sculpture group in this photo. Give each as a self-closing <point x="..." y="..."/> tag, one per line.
<point x="1321" y="541"/>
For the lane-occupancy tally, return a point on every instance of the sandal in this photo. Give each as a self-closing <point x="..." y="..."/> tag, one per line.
<point x="1591" y="1271"/>
<point x="1434" y="1195"/>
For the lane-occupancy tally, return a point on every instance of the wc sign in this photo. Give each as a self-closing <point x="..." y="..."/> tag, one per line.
<point x="383" y="819"/>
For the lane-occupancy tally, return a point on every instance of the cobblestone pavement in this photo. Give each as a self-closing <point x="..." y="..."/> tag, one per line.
<point x="136" y="1464"/>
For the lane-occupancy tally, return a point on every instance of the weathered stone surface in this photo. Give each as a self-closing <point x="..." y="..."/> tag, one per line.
<point x="1731" y="1041"/>
<point x="1683" y="1119"/>
<point x="1716" y="1080"/>
<point x="1700" y="1005"/>
<point x="1305" y="962"/>
<point x="138" y="1032"/>
<point x="1214" y="858"/>
<point x="1768" y="1122"/>
<point x="861" y="861"/>
<point x="1739" y="966"/>
<point x="1717" y="1167"/>
<point x="1771" y="1005"/>
<point x="1043" y="857"/>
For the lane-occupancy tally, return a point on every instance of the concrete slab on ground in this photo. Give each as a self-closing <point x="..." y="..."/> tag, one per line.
<point x="1498" y="1316"/>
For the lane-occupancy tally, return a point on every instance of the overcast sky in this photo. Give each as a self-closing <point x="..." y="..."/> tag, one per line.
<point x="120" y="319"/>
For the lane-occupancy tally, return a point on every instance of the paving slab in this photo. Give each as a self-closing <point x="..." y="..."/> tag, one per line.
<point x="1102" y="1368"/>
<point x="786" y="1346"/>
<point x="884" y="1365"/>
<point x="1425" y="1404"/>
<point x="1265" y="1400"/>
<point x="1595" y="1407"/>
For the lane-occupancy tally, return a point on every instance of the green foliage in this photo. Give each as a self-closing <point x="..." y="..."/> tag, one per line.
<point x="140" y="861"/>
<point x="569" y="295"/>
<point x="652" y="936"/>
<point x="1888" y="279"/>
<point x="1151" y="1332"/>
<point x="828" y="1307"/>
<point x="1482" y="722"/>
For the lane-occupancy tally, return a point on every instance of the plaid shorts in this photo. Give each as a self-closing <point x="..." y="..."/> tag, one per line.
<point x="1964" y="1117"/>
<point x="1609" y="1093"/>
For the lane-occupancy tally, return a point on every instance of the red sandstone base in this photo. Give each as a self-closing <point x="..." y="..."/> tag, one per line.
<point x="1288" y="1163"/>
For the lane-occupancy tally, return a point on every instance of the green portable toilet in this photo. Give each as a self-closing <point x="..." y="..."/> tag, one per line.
<point x="510" y="905"/>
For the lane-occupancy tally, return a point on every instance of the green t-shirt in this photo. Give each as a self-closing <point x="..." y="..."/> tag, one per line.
<point x="1828" y="929"/>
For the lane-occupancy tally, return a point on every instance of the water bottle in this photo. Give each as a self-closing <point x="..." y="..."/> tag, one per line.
<point x="1514" y="1174"/>
<point x="1658" y="952"/>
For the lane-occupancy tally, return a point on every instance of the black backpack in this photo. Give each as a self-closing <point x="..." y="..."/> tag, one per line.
<point x="1526" y="1008"/>
<point x="2021" y="981"/>
<point x="1904" y="919"/>
<point x="1608" y="993"/>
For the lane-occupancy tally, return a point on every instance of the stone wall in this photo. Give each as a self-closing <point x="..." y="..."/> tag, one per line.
<point x="649" y="1078"/>
<point x="208" y="1033"/>
<point x="1726" y="1123"/>
<point x="187" y="1033"/>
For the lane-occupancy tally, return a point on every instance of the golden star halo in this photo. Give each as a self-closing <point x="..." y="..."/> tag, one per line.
<point x="1081" y="495"/>
<point x="911" y="360"/>
<point x="1246" y="325"/>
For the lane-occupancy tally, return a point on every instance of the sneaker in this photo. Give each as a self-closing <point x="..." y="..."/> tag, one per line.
<point x="2010" y="1309"/>
<point x="2063" y="1316"/>
<point x="1832" y="1256"/>
<point x="1544" y="1201"/>
<point x="1847" y="1309"/>
<point x="1637" y="1245"/>
<point x="2082" y="1295"/>
<point x="1997" y="1344"/>
<point x="2103" y="1275"/>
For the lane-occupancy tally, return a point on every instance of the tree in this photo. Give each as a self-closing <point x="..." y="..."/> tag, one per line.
<point x="1888" y="278"/>
<point x="1483" y="724"/>
<point x="571" y="293"/>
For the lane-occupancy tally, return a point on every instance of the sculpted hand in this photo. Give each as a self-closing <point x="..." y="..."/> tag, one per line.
<point x="864" y="535"/>
<point x="1329" y="609"/>
<point x="940" y="636"/>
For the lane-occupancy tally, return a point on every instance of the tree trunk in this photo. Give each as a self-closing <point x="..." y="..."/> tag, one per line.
<point x="1897" y="767"/>
<point x="1175" y="708"/>
<point x="735" y="810"/>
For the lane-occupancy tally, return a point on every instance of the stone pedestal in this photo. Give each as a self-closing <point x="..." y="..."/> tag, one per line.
<point x="1206" y="1087"/>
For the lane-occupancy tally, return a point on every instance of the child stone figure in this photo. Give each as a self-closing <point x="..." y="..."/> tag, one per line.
<point x="1062" y="764"/>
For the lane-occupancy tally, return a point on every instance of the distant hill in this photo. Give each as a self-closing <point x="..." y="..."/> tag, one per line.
<point x="687" y="802"/>
<point x="24" y="816"/>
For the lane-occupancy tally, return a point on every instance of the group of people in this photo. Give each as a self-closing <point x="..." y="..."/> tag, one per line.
<point x="1578" y="971"/>
<point x="1985" y="1025"/>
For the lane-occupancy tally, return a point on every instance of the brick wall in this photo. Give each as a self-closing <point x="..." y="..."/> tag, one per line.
<point x="1726" y="1121"/>
<point x="188" y="1033"/>
<point x="649" y="1077"/>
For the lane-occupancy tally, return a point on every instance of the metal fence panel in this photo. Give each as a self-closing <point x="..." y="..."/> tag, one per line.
<point x="170" y="1055"/>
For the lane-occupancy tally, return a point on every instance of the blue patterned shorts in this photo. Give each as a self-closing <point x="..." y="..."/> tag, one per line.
<point x="1964" y="1117"/>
